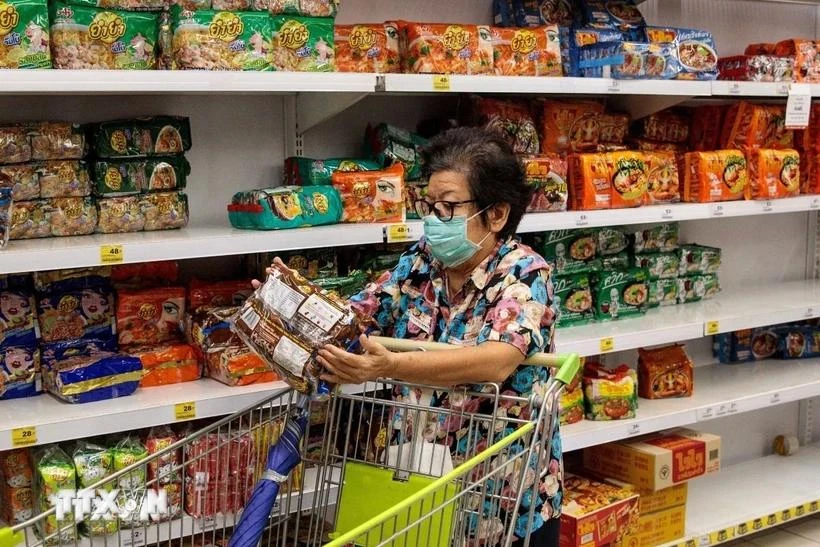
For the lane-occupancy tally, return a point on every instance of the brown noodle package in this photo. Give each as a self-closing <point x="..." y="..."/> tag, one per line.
<point x="287" y="319"/>
<point x="665" y="373"/>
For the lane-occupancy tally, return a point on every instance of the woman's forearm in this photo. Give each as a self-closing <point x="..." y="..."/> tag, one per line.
<point x="489" y="362"/>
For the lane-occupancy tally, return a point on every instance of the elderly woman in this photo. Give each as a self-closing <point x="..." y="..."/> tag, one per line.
<point x="469" y="283"/>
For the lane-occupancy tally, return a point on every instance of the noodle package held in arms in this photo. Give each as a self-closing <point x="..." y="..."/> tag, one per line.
<point x="287" y="319"/>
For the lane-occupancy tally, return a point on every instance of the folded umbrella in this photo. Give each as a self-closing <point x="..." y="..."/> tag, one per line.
<point x="282" y="458"/>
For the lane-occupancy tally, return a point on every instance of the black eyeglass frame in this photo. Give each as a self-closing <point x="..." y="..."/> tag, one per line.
<point x="424" y="208"/>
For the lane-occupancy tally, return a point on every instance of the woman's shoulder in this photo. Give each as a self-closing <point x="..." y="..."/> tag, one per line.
<point x="520" y="259"/>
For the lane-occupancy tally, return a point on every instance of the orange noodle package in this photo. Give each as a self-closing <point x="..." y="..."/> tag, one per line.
<point x="445" y="49"/>
<point x="757" y="126"/>
<point x="665" y="373"/>
<point x="590" y="186"/>
<point x="288" y="318"/>
<point x="150" y="316"/>
<point x="547" y="176"/>
<point x="613" y="128"/>
<point x="773" y="173"/>
<point x="372" y="196"/>
<point x="663" y="179"/>
<point x="570" y="126"/>
<point x="714" y="176"/>
<point x="167" y="364"/>
<point x="512" y="119"/>
<point x="526" y="51"/>
<point x="367" y="48"/>
<point x="628" y="172"/>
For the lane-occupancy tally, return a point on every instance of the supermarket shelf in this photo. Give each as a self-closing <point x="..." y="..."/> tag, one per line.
<point x="149" y="82"/>
<point x="729" y="311"/>
<point x="191" y="242"/>
<point x="55" y="421"/>
<point x="720" y="390"/>
<point x="746" y="498"/>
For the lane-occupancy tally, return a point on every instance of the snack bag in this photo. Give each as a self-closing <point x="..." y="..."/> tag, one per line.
<point x="446" y="49"/>
<point x="805" y="53"/>
<point x="62" y="178"/>
<point x="390" y="144"/>
<point x="94" y="463"/>
<point x="167" y="364"/>
<point x="704" y="130"/>
<point x="773" y="174"/>
<point x="628" y="172"/>
<point x="526" y="51"/>
<point x="590" y="183"/>
<point x="119" y="214"/>
<point x="15" y="146"/>
<point x="90" y="378"/>
<point x="145" y="274"/>
<point x="25" y="35"/>
<point x="81" y="38"/>
<point x="126" y="452"/>
<point x="285" y="207"/>
<point x="22" y="179"/>
<point x="218" y="293"/>
<point x="629" y="61"/>
<point x="17" y="504"/>
<point x="752" y="125"/>
<point x="571" y="404"/>
<point x="72" y="216"/>
<point x="5" y="215"/>
<point x="621" y="294"/>
<point x="570" y="126"/>
<point x="164" y="469"/>
<point x="53" y="471"/>
<point x="130" y="176"/>
<point x="657" y="239"/>
<point x="150" y="316"/>
<point x="573" y="299"/>
<point x="372" y="196"/>
<point x="619" y="261"/>
<point x="309" y="172"/>
<point x="221" y="40"/>
<point x="697" y="287"/>
<point x="287" y="318"/>
<point x="311" y="8"/>
<point x="714" y="176"/>
<point x="612" y="241"/>
<point x="613" y="128"/>
<point x="547" y="175"/>
<point x="799" y="342"/>
<point x="19" y="371"/>
<point x="665" y="373"/>
<point x="29" y="219"/>
<point x="367" y="48"/>
<point x="663" y="292"/>
<point x="571" y="251"/>
<point x="303" y="44"/>
<point x="659" y="265"/>
<point x="663" y="180"/>
<point x="77" y="313"/>
<point x="511" y="119"/>
<point x="610" y="394"/>
<point x="142" y="137"/>
<point x="699" y="260"/>
<point x="18" y="322"/>
<point x="164" y="210"/>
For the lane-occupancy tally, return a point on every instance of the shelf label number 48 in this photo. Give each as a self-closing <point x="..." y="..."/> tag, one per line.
<point x="111" y="254"/>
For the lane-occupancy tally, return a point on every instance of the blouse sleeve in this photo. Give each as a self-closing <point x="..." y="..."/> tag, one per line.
<point x="522" y="311"/>
<point x="380" y="299"/>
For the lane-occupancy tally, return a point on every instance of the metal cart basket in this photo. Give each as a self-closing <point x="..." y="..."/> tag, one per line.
<point x="388" y="463"/>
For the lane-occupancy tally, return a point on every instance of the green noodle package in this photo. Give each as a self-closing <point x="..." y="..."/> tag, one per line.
<point x="24" y="36"/>
<point x="303" y="44"/>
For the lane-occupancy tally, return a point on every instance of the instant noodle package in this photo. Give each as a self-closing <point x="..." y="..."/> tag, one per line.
<point x="699" y="259"/>
<point x="16" y="496"/>
<point x="166" y="364"/>
<point x="367" y="48"/>
<point x="372" y="196"/>
<point x="665" y="372"/>
<point x="389" y="144"/>
<point x="532" y="13"/>
<point x="25" y="35"/>
<point x="150" y="316"/>
<point x="92" y="38"/>
<point x="773" y="173"/>
<point x="141" y="137"/>
<point x="610" y="394"/>
<point x="805" y="55"/>
<point x="547" y="175"/>
<point x="310" y="172"/>
<point x="571" y="251"/>
<point x="663" y="179"/>
<point x="590" y="184"/>
<point x="573" y="299"/>
<point x="440" y="48"/>
<point x="131" y="176"/>
<point x="570" y="126"/>
<point x="285" y="207"/>
<point x="756" y="68"/>
<point x="696" y="51"/>
<point x="511" y="119"/>
<point x="613" y="128"/>
<point x="526" y="51"/>
<point x="715" y="176"/>
<point x="303" y="44"/>
<point x="629" y="60"/>
<point x="620" y="294"/>
<point x="749" y="126"/>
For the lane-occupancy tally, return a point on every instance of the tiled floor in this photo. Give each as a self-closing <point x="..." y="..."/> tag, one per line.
<point x="802" y="533"/>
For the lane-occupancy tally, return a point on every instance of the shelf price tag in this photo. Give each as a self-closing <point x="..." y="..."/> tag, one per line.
<point x="809" y="313"/>
<point x="710" y="328"/>
<point x="185" y="411"/>
<point x="23" y="436"/>
<point x="614" y="86"/>
<point x="205" y="524"/>
<point x="582" y="220"/>
<point x="721" y="536"/>
<point x="705" y="414"/>
<point x="668" y="214"/>
<point x="767" y="206"/>
<point x="400" y="233"/>
<point x="717" y="210"/>
<point x="111" y="254"/>
<point x="814" y="204"/>
<point x="734" y="89"/>
<point x="782" y="89"/>
<point x="135" y="539"/>
<point x="633" y="429"/>
<point x="441" y="82"/>
<point x="607" y="344"/>
<point x="775" y="399"/>
<point x="798" y="106"/>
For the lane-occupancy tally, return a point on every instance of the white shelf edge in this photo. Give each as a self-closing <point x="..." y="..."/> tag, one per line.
<point x="720" y="391"/>
<point x="755" y="502"/>
<point x="56" y="421"/>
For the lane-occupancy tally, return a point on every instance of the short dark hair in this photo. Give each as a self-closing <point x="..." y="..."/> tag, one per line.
<point x="493" y="171"/>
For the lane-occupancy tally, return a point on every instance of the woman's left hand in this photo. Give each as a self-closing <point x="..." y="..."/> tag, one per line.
<point x="343" y="367"/>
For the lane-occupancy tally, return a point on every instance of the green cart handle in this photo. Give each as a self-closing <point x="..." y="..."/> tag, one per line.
<point x="10" y="538"/>
<point x="567" y="364"/>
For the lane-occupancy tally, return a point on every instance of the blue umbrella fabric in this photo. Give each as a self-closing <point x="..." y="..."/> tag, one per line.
<point x="282" y="458"/>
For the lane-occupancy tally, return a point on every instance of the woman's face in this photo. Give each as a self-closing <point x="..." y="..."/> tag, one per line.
<point x="453" y="186"/>
<point x="13" y="307"/>
<point x="95" y="305"/>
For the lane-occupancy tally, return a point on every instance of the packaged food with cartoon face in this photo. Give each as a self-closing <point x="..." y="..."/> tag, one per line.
<point x="695" y="288"/>
<point x="372" y="196"/>
<point x="663" y="292"/>
<point x="164" y="210"/>
<point x="773" y="174"/>
<point x="309" y="172"/>
<point x="141" y="137"/>
<point x="665" y="373"/>
<point x="532" y="51"/>
<point x="30" y="219"/>
<point x="715" y="176"/>
<point x="659" y="265"/>
<point x="571" y="251"/>
<point x="661" y="238"/>
<point x="699" y="259"/>
<point x="621" y="294"/>
<point x="93" y="38"/>
<point x="285" y="207"/>
<point x="303" y="44"/>
<point x="628" y="172"/>
<point x="77" y="313"/>
<point x="24" y="34"/>
<point x="19" y="372"/>
<point x="696" y="49"/>
<point x="573" y="299"/>
<point x="72" y="216"/>
<point x="511" y="119"/>
<point x="368" y="48"/>
<point x="663" y="178"/>
<point x="150" y="316"/>
<point x="433" y="48"/>
<point x="130" y="176"/>
<point x="18" y="319"/>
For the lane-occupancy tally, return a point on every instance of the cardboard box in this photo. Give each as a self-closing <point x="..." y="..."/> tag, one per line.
<point x="596" y="512"/>
<point x="651" y="502"/>
<point x="657" y="461"/>
<point x="658" y="528"/>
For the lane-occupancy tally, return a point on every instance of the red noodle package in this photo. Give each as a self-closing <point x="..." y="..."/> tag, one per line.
<point x="150" y="316"/>
<point x="218" y="293"/>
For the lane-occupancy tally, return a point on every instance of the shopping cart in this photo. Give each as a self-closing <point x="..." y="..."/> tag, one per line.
<point x="380" y="466"/>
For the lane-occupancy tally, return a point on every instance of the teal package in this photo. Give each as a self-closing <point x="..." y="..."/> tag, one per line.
<point x="285" y="207"/>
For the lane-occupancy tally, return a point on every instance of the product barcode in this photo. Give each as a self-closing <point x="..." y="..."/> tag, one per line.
<point x="250" y="318"/>
<point x="714" y="454"/>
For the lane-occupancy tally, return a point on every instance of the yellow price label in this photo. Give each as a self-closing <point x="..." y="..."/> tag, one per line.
<point x="441" y="82"/>
<point x="23" y="436"/>
<point x="711" y="328"/>
<point x="185" y="411"/>
<point x="399" y="233"/>
<point x="721" y="535"/>
<point x="111" y="254"/>
<point x="607" y="344"/>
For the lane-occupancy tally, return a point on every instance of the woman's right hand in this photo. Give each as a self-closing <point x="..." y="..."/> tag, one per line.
<point x="276" y="262"/>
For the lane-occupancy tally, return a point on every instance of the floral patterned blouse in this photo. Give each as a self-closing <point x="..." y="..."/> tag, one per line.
<point x="507" y="298"/>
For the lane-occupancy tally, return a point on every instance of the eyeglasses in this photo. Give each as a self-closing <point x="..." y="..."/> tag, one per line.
<point x="442" y="209"/>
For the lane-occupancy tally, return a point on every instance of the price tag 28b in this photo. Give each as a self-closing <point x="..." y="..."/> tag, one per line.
<point x="185" y="411"/>
<point x="23" y="436"/>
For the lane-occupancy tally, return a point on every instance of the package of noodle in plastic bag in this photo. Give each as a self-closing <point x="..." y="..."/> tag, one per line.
<point x="287" y="319"/>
